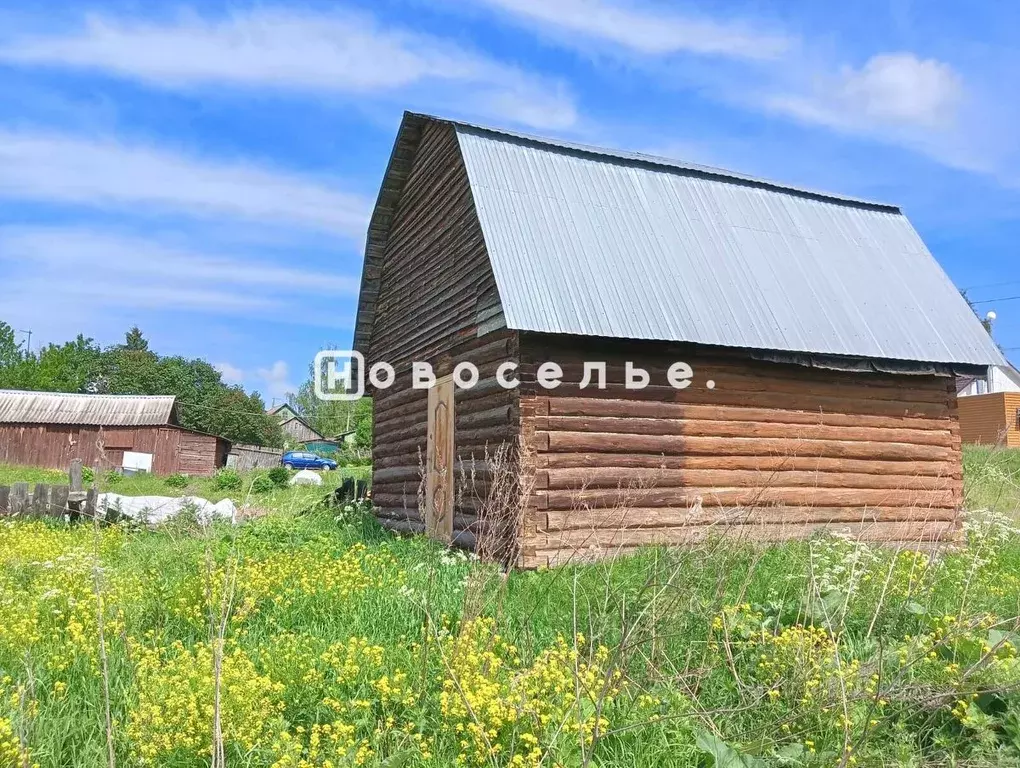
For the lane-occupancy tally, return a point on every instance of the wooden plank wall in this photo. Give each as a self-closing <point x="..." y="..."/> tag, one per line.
<point x="777" y="450"/>
<point x="435" y="274"/>
<point x="55" y="445"/>
<point x="990" y="419"/>
<point x="247" y="457"/>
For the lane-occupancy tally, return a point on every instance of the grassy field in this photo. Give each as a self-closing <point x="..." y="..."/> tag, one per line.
<point x="310" y="637"/>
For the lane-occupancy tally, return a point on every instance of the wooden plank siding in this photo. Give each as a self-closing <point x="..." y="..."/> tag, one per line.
<point x="174" y="449"/>
<point x="435" y="286"/>
<point x="773" y="451"/>
<point x="991" y="419"/>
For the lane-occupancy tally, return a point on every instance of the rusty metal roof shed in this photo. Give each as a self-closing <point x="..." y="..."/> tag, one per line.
<point x="599" y="242"/>
<point x="21" y="407"/>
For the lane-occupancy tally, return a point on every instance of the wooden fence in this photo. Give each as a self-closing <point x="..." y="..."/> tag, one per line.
<point x="68" y="502"/>
<point x="245" y="457"/>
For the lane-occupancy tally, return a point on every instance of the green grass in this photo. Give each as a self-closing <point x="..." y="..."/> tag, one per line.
<point x="992" y="478"/>
<point x="205" y="487"/>
<point x="344" y="645"/>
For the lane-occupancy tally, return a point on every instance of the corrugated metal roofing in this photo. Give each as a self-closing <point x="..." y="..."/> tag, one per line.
<point x="599" y="243"/>
<point x="19" y="407"/>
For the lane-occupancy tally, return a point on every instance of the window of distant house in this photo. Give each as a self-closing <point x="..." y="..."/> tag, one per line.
<point x="1018" y="419"/>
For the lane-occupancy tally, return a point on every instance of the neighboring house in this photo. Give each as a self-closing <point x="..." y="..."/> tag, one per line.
<point x="998" y="378"/>
<point x="990" y="407"/>
<point x="49" y="429"/>
<point x="831" y="335"/>
<point x="992" y="419"/>
<point x="294" y="427"/>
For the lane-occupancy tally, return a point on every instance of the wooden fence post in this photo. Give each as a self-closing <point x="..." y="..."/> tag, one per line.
<point x="58" y="501"/>
<point x="41" y="500"/>
<point x="5" y="500"/>
<point x="19" y="498"/>
<point x="75" y="474"/>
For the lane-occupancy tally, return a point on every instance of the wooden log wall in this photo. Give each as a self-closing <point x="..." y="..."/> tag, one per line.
<point x="773" y="451"/>
<point x="435" y="280"/>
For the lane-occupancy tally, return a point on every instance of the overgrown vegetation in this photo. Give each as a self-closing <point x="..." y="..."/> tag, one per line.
<point x="318" y="639"/>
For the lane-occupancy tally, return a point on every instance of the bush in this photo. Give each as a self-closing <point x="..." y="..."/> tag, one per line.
<point x="87" y="475"/>
<point x="112" y="477"/>
<point x="262" y="484"/>
<point x="279" y="476"/>
<point x="227" y="480"/>
<point x="177" y="481"/>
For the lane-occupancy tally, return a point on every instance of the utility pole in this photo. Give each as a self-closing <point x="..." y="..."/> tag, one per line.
<point x="28" y="344"/>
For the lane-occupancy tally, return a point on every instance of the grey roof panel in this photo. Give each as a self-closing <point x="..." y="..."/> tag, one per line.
<point x="602" y="243"/>
<point x="20" y="407"/>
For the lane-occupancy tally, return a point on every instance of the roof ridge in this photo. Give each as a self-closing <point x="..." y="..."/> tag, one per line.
<point x="661" y="162"/>
<point x="35" y="392"/>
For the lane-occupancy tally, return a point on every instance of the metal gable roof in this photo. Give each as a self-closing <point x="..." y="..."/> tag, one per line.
<point x="598" y="244"/>
<point x="606" y="243"/>
<point x="20" y="407"/>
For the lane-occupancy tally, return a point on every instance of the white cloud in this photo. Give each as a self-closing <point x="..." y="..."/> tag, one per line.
<point x="113" y="174"/>
<point x="295" y="51"/>
<point x="273" y="381"/>
<point x="231" y="374"/>
<point x="891" y="90"/>
<point x="643" y="29"/>
<point x="73" y="250"/>
<point x="276" y="380"/>
<point x="108" y="271"/>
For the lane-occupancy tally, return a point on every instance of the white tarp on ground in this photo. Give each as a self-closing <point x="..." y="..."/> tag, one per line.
<point x="306" y="477"/>
<point x="159" y="509"/>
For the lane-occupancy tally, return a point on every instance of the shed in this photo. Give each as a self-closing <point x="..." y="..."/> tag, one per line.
<point x="823" y="336"/>
<point x="49" y="429"/>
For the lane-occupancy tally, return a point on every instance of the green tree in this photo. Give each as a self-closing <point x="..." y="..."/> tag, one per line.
<point x="204" y="402"/>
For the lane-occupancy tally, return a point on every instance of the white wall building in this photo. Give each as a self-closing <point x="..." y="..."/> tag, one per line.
<point x="1000" y="378"/>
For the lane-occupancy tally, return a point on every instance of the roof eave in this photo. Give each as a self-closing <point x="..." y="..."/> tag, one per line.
<point x="405" y="147"/>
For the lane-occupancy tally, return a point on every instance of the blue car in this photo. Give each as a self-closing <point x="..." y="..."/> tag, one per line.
<point x="305" y="460"/>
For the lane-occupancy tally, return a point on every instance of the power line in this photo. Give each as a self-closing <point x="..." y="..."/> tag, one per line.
<point x="992" y="285"/>
<point x="1001" y="298"/>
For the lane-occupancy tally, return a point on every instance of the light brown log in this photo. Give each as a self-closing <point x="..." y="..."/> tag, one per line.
<point x="742" y="497"/>
<point x="607" y="539"/>
<point x="700" y="428"/>
<point x="628" y="408"/>
<point x="609" y="461"/>
<point x="710" y="478"/>
<point x="574" y="442"/>
<point x="668" y="517"/>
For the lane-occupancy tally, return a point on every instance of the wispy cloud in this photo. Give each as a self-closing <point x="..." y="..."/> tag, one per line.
<point x="924" y="104"/>
<point x="644" y="29"/>
<point x="106" y="173"/>
<point x="294" y="51"/>
<point x="891" y="90"/>
<point x="114" y="271"/>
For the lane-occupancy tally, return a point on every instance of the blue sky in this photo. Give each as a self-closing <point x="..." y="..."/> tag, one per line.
<point x="206" y="171"/>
